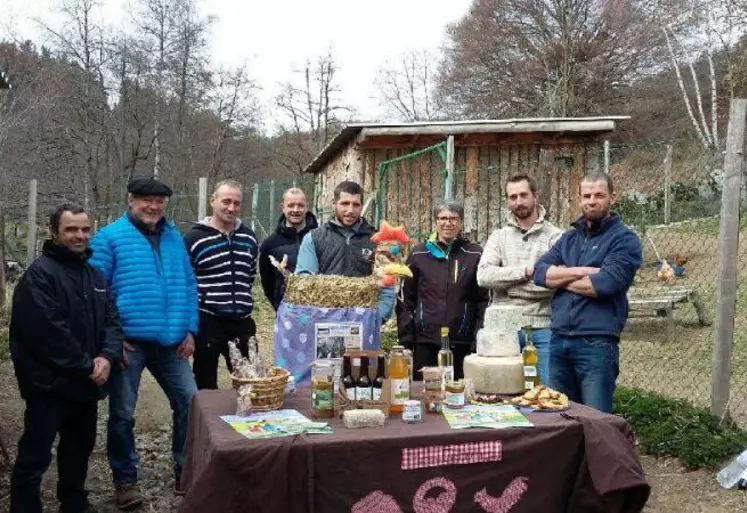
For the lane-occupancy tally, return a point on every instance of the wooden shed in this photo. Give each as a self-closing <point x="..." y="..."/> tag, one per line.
<point x="405" y="168"/>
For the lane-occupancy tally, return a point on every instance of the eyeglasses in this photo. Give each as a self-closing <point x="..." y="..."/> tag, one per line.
<point x="443" y="219"/>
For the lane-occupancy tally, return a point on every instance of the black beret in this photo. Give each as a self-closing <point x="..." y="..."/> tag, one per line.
<point x="148" y="187"/>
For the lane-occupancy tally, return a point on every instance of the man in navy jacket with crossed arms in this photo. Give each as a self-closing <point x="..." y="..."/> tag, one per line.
<point x="591" y="268"/>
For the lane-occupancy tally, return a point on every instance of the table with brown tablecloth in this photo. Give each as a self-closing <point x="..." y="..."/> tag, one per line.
<point x="575" y="461"/>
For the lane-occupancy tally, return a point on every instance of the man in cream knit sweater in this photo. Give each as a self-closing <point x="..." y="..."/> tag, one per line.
<point x="507" y="263"/>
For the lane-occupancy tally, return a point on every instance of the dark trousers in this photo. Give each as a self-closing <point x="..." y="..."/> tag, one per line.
<point x="212" y="341"/>
<point x="45" y="416"/>
<point x="426" y="355"/>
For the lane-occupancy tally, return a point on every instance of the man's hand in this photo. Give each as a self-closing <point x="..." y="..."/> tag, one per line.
<point x="101" y="369"/>
<point x="127" y="348"/>
<point x="187" y="347"/>
<point x="529" y="272"/>
<point x="590" y="270"/>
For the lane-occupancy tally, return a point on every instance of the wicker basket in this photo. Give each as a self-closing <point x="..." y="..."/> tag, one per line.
<point x="267" y="392"/>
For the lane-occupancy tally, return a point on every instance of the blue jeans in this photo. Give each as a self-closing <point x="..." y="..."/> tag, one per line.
<point x="541" y="340"/>
<point x="174" y="375"/>
<point x="585" y="369"/>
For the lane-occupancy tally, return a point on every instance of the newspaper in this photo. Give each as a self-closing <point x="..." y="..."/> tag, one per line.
<point x="332" y="339"/>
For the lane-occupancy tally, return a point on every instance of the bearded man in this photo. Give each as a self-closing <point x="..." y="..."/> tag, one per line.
<point x="507" y="262"/>
<point x="591" y="269"/>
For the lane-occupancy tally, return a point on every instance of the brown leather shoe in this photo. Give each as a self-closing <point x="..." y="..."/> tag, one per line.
<point x="128" y="497"/>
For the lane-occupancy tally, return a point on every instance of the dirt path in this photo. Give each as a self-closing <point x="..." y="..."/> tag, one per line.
<point x="674" y="490"/>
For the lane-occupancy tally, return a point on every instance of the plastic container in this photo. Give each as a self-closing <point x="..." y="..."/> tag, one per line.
<point x="734" y="475"/>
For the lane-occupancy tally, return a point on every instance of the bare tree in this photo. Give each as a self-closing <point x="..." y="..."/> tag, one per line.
<point x="311" y="109"/>
<point x="407" y="87"/>
<point x="547" y="57"/>
<point x="236" y="106"/>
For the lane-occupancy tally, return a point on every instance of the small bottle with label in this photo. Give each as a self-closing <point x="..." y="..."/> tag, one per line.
<point x="378" y="384"/>
<point x="399" y="378"/>
<point x="363" y="388"/>
<point x="530" y="358"/>
<point x="446" y="357"/>
<point x="347" y="378"/>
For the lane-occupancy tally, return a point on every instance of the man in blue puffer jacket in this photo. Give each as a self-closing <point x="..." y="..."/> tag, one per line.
<point x="591" y="269"/>
<point x="143" y="258"/>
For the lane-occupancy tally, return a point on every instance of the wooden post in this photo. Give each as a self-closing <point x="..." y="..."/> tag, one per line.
<point x="3" y="288"/>
<point x="272" y="202"/>
<point x="728" y="258"/>
<point x="606" y="156"/>
<point x="255" y="206"/>
<point x="31" y="234"/>
<point x="449" y="184"/>
<point x="667" y="184"/>
<point x="202" y="198"/>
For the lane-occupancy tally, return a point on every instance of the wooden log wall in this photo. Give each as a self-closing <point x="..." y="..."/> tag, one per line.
<point x="411" y="187"/>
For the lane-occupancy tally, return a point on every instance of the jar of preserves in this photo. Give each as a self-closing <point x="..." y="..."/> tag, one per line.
<point x="322" y="397"/>
<point x="454" y="395"/>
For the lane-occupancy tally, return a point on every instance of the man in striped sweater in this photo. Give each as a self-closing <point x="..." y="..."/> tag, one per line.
<point x="224" y="253"/>
<point x="507" y="262"/>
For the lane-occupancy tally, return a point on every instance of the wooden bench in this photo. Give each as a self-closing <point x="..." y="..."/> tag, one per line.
<point x="662" y="300"/>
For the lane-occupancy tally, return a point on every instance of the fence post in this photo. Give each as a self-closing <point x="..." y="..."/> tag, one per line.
<point x="2" y="258"/>
<point x="449" y="184"/>
<point x="272" y="202"/>
<point x="31" y="233"/>
<point x="728" y="258"/>
<point x="667" y="184"/>
<point x="606" y="156"/>
<point x="255" y="206"/>
<point x="202" y="188"/>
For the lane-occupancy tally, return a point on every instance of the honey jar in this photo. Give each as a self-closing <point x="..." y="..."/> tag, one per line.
<point x="454" y="395"/>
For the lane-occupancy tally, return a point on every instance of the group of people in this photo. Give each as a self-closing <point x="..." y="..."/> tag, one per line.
<point x="572" y="286"/>
<point x="90" y="314"/>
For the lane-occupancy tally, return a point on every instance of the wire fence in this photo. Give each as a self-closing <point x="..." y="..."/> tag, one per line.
<point x="669" y="193"/>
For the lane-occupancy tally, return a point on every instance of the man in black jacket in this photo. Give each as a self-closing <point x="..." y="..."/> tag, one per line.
<point x="295" y="222"/>
<point x="65" y="336"/>
<point x="223" y="252"/>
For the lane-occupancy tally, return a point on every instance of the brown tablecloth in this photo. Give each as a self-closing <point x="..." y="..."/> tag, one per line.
<point x="575" y="461"/>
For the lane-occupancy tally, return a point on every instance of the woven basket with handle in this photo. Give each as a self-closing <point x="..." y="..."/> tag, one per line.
<point x="267" y="392"/>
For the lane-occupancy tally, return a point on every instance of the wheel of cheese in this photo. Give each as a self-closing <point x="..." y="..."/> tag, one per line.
<point x="504" y="318"/>
<point x="497" y="343"/>
<point x="497" y="375"/>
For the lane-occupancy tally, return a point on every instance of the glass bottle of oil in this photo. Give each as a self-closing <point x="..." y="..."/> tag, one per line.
<point x="530" y="359"/>
<point x="446" y="357"/>
<point x="399" y="376"/>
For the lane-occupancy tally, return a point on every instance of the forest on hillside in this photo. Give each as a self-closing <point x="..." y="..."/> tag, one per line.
<point x="93" y="106"/>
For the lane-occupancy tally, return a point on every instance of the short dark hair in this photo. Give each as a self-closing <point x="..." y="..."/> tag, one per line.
<point x="453" y="206"/>
<point x="348" y="187"/>
<point x="56" y="214"/>
<point x="523" y="177"/>
<point x="596" y="176"/>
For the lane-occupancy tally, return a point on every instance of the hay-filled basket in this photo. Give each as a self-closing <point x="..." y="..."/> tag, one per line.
<point x="267" y="392"/>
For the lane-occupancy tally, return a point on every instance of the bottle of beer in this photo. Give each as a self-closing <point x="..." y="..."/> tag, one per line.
<point x="378" y="383"/>
<point x="363" y="385"/>
<point x="530" y="359"/>
<point x="446" y="357"/>
<point x="347" y="378"/>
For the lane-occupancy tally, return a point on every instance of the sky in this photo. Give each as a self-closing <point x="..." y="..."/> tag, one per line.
<point x="273" y="37"/>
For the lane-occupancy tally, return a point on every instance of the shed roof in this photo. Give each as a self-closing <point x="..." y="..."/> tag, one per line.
<point x="589" y="125"/>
